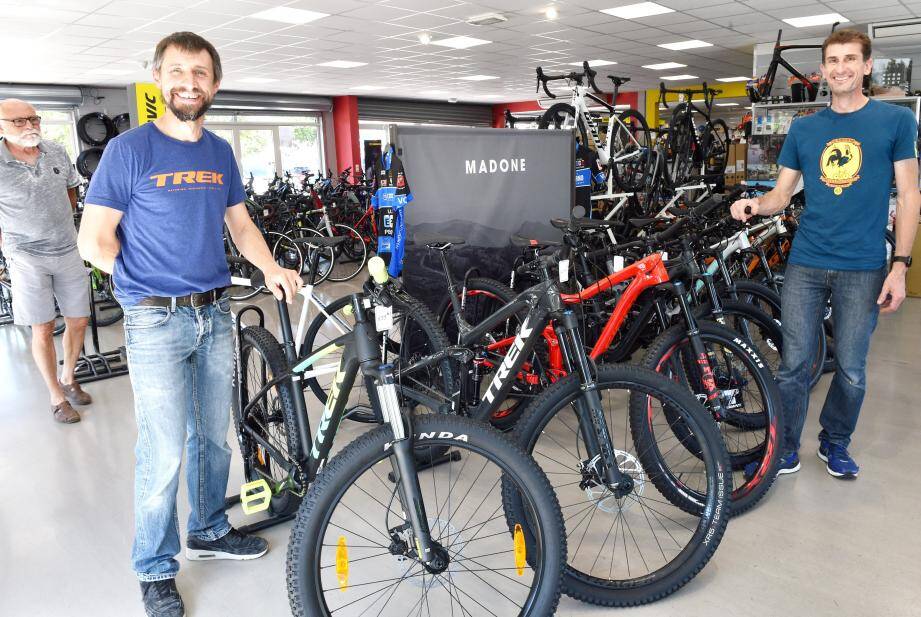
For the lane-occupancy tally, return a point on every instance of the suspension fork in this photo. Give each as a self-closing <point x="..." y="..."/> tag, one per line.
<point x="405" y="470"/>
<point x="592" y="423"/>
<point x="702" y="357"/>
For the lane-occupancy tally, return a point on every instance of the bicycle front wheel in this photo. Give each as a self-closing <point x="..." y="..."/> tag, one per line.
<point x="753" y="423"/>
<point x="352" y="549"/>
<point x="629" y="151"/>
<point x="638" y="547"/>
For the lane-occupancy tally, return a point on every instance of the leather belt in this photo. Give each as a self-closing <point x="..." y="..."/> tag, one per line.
<point x="195" y="300"/>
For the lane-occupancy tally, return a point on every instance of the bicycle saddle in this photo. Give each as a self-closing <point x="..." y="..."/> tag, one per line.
<point x="318" y="241"/>
<point x="641" y="223"/>
<point x="437" y="241"/>
<point x="531" y="243"/>
<point x="618" y="81"/>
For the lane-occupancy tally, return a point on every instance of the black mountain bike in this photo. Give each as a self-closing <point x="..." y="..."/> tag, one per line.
<point x="691" y="151"/>
<point x="390" y="525"/>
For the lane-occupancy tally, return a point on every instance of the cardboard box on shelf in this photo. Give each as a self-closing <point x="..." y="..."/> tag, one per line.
<point x="913" y="278"/>
<point x="741" y="155"/>
<point x="731" y="159"/>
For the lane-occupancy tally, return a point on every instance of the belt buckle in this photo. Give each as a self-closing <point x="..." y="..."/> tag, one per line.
<point x="198" y="306"/>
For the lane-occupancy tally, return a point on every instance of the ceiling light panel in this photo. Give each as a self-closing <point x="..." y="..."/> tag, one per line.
<point x="478" y="77"/>
<point x="289" y="15"/>
<point x="732" y="79"/>
<point x="815" y="20"/>
<point x="727" y="104"/>
<point x="677" y="77"/>
<point x="342" y="64"/>
<point x="461" y="42"/>
<point x="635" y="11"/>
<point x="594" y="63"/>
<point x="664" y="66"/>
<point x="682" y="45"/>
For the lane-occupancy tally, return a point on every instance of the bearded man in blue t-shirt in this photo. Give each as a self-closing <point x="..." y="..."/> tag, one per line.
<point x="847" y="156"/>
<point x="154" y="218"/>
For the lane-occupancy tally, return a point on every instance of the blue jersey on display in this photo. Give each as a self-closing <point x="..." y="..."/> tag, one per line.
<point x="847" y="166"/>
<point x="174" y="195"/>
<point x="389" y="202"/>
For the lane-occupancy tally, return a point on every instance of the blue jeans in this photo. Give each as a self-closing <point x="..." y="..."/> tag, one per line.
<point x="854" y="313"/>
<point x="181" y="365"/>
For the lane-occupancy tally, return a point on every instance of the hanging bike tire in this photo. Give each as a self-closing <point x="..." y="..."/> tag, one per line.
<point x="87" y="161"/>
<point x="122" y="123"/>
<point x="95" y="129"/>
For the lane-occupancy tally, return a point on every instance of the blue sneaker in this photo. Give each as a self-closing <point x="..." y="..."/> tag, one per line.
<point x="789" y="463"/>
<point x="838" y="462"/>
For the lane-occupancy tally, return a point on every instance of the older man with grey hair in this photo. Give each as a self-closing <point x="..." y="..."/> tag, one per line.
<point x="38" y="192"/>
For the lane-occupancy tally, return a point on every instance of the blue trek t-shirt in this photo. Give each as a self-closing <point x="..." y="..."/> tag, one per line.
<point x="847" y="166"/>
<point x="174" y="195"/>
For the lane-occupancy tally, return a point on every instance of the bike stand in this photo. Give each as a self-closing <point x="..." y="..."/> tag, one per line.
<point x="99" y="365"/>
<point x="265" y="523"/>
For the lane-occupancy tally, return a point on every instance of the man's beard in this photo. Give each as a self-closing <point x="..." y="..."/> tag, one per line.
<point x="189" y="113"/>
<point x="28" y="140"/>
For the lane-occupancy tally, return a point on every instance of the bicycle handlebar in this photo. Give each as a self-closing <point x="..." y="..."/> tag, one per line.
<point x="588" y="74"/>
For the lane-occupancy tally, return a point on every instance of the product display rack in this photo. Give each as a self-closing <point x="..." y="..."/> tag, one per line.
<point x="771" y="123"/>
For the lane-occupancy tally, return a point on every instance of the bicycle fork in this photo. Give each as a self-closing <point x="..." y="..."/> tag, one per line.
<point x="602" y="459"/>
<point x="431" y="554"/>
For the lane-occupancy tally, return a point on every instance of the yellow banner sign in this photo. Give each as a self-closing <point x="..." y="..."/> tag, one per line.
<point x="148" y="102"/>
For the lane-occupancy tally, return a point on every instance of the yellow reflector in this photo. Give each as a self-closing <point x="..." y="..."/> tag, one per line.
<point x="342" y="564"/>
<point x="255" y="496"/>
<point x="347" y="309"/>
<point x="521" y="553"/>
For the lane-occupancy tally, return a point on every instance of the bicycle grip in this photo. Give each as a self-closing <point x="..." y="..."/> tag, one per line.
<point x="378" y="270"/>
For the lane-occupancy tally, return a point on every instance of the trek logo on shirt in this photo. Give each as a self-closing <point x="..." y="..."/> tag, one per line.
<point x="180" y="178"/>
<point x="840" y="163"/>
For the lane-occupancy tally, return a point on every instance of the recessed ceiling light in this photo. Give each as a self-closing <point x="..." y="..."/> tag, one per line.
<point x="342" y="64"/>
<point x="460" y="42"/>
<point x="256" y="80"/>
<point x="815" y="20"/>
<point x="679" y="45"/>
<point x="368" y="88"/>
<point x="731" y="79"/>
<point x="664" y="66"/>
<point x="594" y="63"/>
<point x="551" y="13"/>
<point x="642" y="9"/>
<point x="289" y="16"/>
<point x="425" y="38"/>
<point x="726" y="104"/>
<point x="677" y="77"/>
<point x="487" y="19"/>
<point x="478" y="77"/>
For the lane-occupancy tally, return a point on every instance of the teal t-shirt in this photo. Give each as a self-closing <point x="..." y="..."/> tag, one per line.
<point x="847" y="166"/>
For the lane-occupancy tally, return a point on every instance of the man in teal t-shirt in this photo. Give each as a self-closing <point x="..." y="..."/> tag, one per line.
<point x="848" y="156"/>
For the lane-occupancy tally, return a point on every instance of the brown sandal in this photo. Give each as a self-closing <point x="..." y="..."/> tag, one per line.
<point x="75" y="394"/>
<point x="64" y="413"/>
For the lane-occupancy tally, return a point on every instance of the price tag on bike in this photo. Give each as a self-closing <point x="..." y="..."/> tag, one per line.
<point x="383" y="318"/>
<point x="564" y="270"/>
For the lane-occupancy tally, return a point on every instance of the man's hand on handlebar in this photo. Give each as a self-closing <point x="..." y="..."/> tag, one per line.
<point x="278" y="280"/>
<point x="744" y="209"/>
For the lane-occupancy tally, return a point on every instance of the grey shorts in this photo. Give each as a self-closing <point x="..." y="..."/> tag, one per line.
<point x="37" y="281"/>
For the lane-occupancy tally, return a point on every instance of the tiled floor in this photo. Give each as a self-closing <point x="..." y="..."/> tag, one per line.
<point x="815" y="547"/>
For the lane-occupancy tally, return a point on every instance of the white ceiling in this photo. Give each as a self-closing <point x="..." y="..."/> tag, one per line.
<point x="104" y="42"/>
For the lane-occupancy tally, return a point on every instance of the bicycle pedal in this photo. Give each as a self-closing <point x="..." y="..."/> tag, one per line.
<point x="255" y="496"/>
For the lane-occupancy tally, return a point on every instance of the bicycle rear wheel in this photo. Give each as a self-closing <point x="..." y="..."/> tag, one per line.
<point x="270" y="415"/>
<point x="415" y="334"/>
<point x="351" y="256"/>
<point x="352" y="551"/>
<point x="644" y="545"/>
